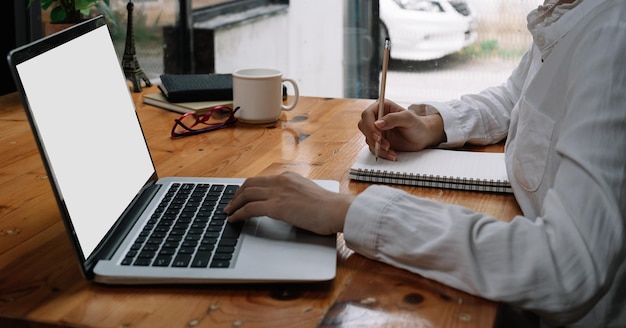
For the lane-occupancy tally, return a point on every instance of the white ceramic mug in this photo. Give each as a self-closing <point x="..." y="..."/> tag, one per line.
<point x="258" y="92"/>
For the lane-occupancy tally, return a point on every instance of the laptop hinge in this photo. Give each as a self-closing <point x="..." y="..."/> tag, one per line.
<point x="124" y="224"/>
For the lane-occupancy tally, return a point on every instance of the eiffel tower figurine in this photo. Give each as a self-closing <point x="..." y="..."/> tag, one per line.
<point x="132" y="71"/>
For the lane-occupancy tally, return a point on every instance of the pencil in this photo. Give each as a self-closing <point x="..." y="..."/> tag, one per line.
<point x="381" y="94"/>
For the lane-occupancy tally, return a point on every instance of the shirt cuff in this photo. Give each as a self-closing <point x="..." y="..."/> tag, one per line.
<point x="364" y="218"/>
<point x="451" y="123"/>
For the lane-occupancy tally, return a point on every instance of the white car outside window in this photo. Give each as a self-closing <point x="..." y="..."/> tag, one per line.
<point x="426" y="30"/>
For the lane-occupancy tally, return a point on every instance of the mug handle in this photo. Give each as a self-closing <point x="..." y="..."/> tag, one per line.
<point x="295" y="96"/>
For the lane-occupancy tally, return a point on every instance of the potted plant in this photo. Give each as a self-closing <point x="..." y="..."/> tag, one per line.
<point x="67" y="12"/>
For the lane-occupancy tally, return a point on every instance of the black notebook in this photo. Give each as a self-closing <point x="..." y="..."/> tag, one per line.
<point x="438" y="168"/>
<point x="196" y="87"/>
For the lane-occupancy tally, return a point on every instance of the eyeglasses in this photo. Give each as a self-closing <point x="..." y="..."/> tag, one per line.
<point x="192" y="123"/>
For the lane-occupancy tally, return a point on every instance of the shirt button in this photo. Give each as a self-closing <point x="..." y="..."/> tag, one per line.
<point x="541" y="40"/>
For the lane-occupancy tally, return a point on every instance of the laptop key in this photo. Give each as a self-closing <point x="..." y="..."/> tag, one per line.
<point x="151" y="247"/>
<point x="196" y="231"/>
<point x="162" y="260"/>
<point x="127" y="261"/>
<point x="224" y="250"/>
<point x="228" y="242"/>
<point x="206" y="247"/>
<point x="146" y="254"/>
<point x="171" y="245"/>
<point x="201" y="260"/>
<point x="136" y="246"/>
<point x="162" y="229"/>
<point x="222" y="256"/>
<point x="167" y="251"/>
<point x="142" y="262"/>
<point x="154" y="241"/>
<point x="177" y="232"/>
<point x="186" y="250"/>
<point x="217" y="222"/>
<point x="181" y="260"/>
<point x="175" y="238"/>
<point x="232" y="230"/>
<point x="231" y="189"/>
<point x="220" y="264"/>
<point x="217" y="188"/>
<point x="214" y="229"/>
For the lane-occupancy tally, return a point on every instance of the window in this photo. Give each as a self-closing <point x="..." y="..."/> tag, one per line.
<point x="501" y="38"/>
<point x="198" y="4"/>
<point x="440" y="49"/>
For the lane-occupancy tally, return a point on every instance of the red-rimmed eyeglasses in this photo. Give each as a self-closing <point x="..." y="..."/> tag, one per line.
<point x="213" y="119"/>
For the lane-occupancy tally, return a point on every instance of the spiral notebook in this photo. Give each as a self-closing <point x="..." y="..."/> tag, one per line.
<point x="438" y="168"/>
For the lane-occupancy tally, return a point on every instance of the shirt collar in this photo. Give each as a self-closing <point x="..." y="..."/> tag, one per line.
<point x="547" y="28"/>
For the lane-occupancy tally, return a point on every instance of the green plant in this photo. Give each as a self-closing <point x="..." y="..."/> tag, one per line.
<point x="73" y="11"/>
<point x="490" y="48"/>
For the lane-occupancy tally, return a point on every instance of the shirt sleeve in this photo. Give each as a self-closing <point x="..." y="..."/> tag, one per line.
<point x="483" y="118"/>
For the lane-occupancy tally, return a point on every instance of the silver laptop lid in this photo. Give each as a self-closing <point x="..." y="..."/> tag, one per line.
<point x="83" y="116"/>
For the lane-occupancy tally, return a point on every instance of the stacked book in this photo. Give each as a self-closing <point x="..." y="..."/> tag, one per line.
<point x="197" y="93"/>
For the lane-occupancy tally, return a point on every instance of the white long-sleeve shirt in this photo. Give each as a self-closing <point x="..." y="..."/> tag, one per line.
<point x="563" y="113"/>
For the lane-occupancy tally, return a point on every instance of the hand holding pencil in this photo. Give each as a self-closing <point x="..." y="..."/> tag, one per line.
<point x="401" y="129"/>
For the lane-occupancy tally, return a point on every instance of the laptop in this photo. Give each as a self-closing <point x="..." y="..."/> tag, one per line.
<point x="127" y="225"/>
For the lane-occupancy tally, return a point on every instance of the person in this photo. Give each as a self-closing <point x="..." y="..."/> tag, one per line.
<point x="563" y="115"/>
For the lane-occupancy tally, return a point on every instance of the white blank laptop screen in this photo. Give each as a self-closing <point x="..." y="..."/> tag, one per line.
<point x="95" y="185"/>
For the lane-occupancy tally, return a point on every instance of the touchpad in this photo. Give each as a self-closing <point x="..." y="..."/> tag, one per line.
<point x="268" y="228"/>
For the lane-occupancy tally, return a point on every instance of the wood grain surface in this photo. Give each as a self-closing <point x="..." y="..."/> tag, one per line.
<point x="41" y="285"/>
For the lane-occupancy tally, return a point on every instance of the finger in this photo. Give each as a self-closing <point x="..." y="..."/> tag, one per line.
<point x="366" y="124"/>
<point x="385" y="152"/>
<point x="371" y="111"/>
<point x="233" y="205"/>
<point x="368" y="116"/>
<point x="247" y="211"/>
<point x="370" y="132"/>
<point x="245" y="194"/>
<point x="389" y="155"/>
<point x="262" y="181"/>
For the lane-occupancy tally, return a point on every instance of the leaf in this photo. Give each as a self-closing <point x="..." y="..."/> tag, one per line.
<point x="82" y="5"/>
<point x="106" y="11"/>
<point x="45" y="4"/>
<point x="57" y="14"/>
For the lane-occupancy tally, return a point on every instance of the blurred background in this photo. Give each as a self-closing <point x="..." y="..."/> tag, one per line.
<point x="440" y="49"/>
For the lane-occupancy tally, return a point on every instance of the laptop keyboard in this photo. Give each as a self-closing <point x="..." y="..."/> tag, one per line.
<point x="188" y="229"/>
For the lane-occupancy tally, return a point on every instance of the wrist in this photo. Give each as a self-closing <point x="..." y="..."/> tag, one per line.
<point x="434" y="123"/>
<point x="339" y="210"/>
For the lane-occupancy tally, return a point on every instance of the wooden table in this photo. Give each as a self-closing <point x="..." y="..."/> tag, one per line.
<point x="41" y="285"/>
